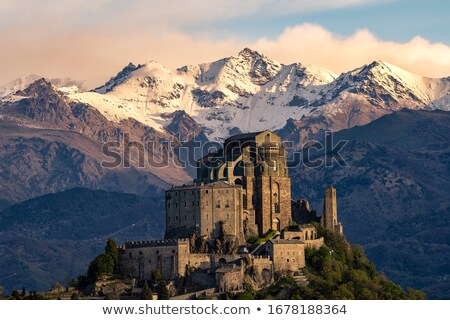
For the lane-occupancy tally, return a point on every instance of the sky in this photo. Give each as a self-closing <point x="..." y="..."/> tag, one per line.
<point x="92" y="40"/>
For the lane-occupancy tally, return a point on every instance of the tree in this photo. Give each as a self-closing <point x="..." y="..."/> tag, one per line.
<point x="156" y="275"/>
<point x="15" y="294"/>
<point x="111" y="249"/>
<point x="163" y="292"/>
<point x="102" y="265"/>
<point x="147" y="294"/>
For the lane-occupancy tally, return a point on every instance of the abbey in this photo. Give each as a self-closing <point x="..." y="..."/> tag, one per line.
<point x="242" y="193"/>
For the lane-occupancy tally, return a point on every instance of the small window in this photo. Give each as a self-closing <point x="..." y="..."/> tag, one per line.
<point x="206" y="203"/>
<point x="168" y="205"/>
<point x="185" y="217"/>
<point x="184" y="192"/>
<point x="131" y="255"/>
<point x="185" y="204"/>
<point x="176" y="204"/>
<point x="168" y="219"/>
<point x="150" y="261"/>
<point x="227" y="203"/>
<point x="192" y="192"/>
<point x="173" y="251"/>
<point x="207" y="217"/>
<point x="218" y="204"/>
<point x="193" y="217"/>
<point x="287" y="260"/>
<point x="198" y="203"/>
<point x="206" y="192"/>
<point x="176" y="193"/>
<point x="157" y="251"/>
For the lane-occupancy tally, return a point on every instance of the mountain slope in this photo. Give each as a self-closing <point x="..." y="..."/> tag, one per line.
<point x="49" y="144"/>
<point x="49" y="238"/>
<point x="250" y="92"/>
<point x="25" y="81"/>
<point x="394" y="195"/>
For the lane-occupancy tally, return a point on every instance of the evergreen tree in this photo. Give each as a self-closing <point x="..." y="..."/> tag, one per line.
<point x="163" y="292"/>
<point x="102" y="265"/>
<point x="156" y="275"/>
<point x="111" y="249"/>
<point x="147" y="294"/>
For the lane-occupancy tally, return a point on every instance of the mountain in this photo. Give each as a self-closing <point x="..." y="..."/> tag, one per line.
<point x="23" y="82"/>
<point x="52" y="237"/>
<point x="50" y="143"/>
<point x="250" y="92"/>
<point x="393" y="197"/>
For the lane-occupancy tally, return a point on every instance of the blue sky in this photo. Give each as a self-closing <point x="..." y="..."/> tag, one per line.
<point x="91" y="40"/>
<point x="395" y="20"/>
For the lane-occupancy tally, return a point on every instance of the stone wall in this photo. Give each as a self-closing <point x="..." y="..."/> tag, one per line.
<point x="287" y="254"/>
<point x="138" y="259"/>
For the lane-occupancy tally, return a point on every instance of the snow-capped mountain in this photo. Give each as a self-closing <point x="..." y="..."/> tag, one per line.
<point x="250" y="92"/>
<point x="246" y="92"/>
<point x="23" y="82"/>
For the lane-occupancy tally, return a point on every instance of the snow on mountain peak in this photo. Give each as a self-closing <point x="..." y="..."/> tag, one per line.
<point x="250" y="92"/>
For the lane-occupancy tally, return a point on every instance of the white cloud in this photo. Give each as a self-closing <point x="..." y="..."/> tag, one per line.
<point x="313" y="44"/>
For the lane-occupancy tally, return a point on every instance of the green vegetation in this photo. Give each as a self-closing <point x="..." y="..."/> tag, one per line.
<point x="161" y="289"/>
<point x="336" y="271"/>
<point x="256" y="241"/>
<point x="147" y="294"/>
<point x="340" y="271"/>
<point x="104" y="264"/>
<point x="156" y="275"/>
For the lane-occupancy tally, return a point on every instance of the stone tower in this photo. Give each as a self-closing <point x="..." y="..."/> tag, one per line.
<point x="329" y="216"/>
<point x="257" y="162"/>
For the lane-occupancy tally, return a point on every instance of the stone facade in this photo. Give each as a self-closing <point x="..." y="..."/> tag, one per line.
<point x="329" y="216"/>
<point x="242" y="190"/>
<point x="138" y="259"/>
<point x="257" y="162"/>
<point x="287" y="255"/>
<point x="212" y="210"/>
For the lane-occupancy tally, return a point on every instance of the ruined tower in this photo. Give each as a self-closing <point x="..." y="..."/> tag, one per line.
<point x="329" y="216"/>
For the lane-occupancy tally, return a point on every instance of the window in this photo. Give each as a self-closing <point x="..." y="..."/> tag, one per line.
<point x="184" y="192"/>
<point x="168" y="219"/>
<point x="185" y="204"/>
<point x="173" y="251"/>
<point x="192" y="192"/>
<point x="131" y="255"/>
<point x="218" y="204"/>
<point x="198" y="203"/>
<point x="207" y="217"/>
<point x="176" y="204"/>
<point x="193" y="203"/>
<point x="150" y="261"/>
<point x="206" y="203"/>
<point x="227" y="203"/>
<point x="176" y="193"/>
<point x="185" y="217"/>
<point x="206" y="192"/>
<point x="193" y="217"/>
<point x="287" y="260"/>
<point x="168" y="205"/>
<point x="157" y="251"/>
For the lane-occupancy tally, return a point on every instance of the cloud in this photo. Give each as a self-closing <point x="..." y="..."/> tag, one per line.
<point x="96" y="57"/>
<point x="313" y="44"/>
<point x="92" y="40"/>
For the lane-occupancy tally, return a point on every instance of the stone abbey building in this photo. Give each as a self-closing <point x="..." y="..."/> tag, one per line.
<point x="241" y="191"/>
